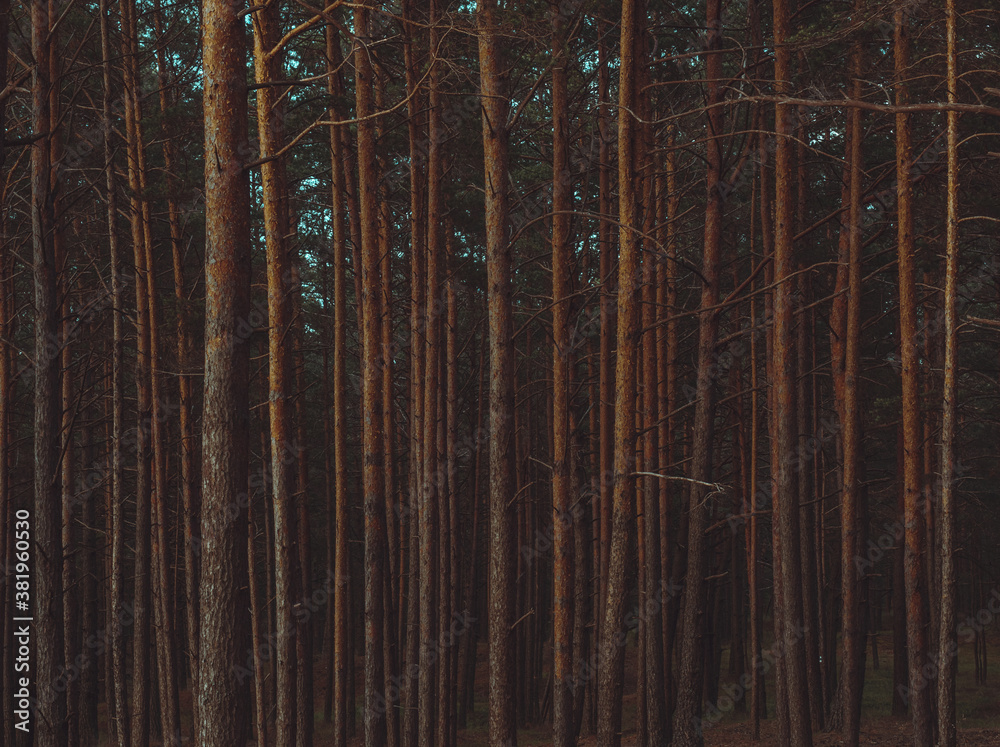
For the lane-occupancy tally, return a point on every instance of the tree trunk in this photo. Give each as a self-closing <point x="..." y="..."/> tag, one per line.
<point x="495" y="105"/>
<point x="434" y="482"/>
<point x="687" y="714"/>
<point x="913" y="559"/>
<point x="267" y="67"/>
<point x="850" y="506"/>
<point x="563" y="728"/>
<point x="785" y="516"/>
<point x="115" y="672"/>
<point x="947" y="644"/>
<point x="612" y="651"/>
<point x="47" y="592"/>
<point x="371" y="389"/>
<point x="224" y="700"/>
<point x="340" y="549"/>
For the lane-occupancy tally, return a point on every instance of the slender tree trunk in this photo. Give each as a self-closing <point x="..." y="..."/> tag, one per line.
<point x="340" y="550"/>
<point x="418" y="235"/>
<point x="608" y="323"/>
<point x="47" y="593"/>
<point x="900" y="666"/>
<point x="652" y="618"/>
<point x="564" y="732"/>
<point x="224" y="700"/>
<point x="913" y="561"/>
<point x="686" y="729"/>
<point x="434" y="483"/>
<point x="495" y="105"/>
<point x="371" y="303"/>
<point x="141" y="664"/>
<point x="612" y="650"/>
<point x="267" y="32"/>
<point x="947" y="644"/>
<point x="190" y="498"/>
<point x="850" y="507"/>
<point x="256" y="616"/>
<point x="115" y="673"/>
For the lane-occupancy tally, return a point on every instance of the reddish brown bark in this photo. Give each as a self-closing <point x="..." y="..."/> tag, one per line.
<point x="612" y="652"/>
<point x="224" y="700"/>
<point x="687" y="713"/>
<point x="915" y="534"/>
<point x="495" y="105"/>
<point x="371" y="387"/>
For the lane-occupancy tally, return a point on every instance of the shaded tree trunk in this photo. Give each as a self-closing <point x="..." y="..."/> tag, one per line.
<point x="224" y="700"/>
<point x="495" y="105"/>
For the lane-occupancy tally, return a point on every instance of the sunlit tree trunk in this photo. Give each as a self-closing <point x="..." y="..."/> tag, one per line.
<point x="267" y="67"/>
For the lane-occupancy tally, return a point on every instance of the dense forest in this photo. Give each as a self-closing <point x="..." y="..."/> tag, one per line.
<point x="488" y="372"/>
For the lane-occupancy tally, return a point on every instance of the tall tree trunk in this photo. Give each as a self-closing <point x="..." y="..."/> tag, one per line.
<point x="563" y="728"/>
<point x="850" y="506"/>
<point x="495" y="108"/>
<point x="785" y="512"/>
<point x="340" y="550"/>
<point x="418" y="235"/>
<point x="115" y="673"/>
<point x="47" y="593"/>
<point x="612" y="650"/>
<point x="140" y="442"/>
<point x="608" y="321"/>
<point x="947" y="644"/>
<point x="913" y="560"/>
<point x="434" y="483"/>
<point x="686" y="728"/>
<point x="267" y="67"/>
<point x="651" y="620"/>
<point x="371" y="390"/>
<point x="224" y="700"/>
<point x="190" y="497"/>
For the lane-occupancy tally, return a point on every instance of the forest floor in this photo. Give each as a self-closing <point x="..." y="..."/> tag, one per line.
<point x="978" y="710"/>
